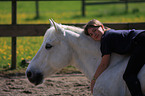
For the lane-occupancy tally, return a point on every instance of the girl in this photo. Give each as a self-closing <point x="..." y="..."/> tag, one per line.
<point x="122" y="42"/>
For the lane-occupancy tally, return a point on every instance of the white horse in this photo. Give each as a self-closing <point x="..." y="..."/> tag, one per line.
<point x="66" y="45"/>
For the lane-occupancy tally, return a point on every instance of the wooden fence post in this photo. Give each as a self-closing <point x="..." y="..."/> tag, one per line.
<point x="83" y="8"/>
<point x="37" y="9"/>
<point x="126" y="6"/>
<point x="14" y="39"/>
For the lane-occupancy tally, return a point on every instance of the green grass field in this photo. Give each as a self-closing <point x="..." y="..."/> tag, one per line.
<point x="70" y="12"/>
<point x="61" y="12"/>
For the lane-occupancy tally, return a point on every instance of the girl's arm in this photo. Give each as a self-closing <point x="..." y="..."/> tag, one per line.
<point x="104" y="64"/>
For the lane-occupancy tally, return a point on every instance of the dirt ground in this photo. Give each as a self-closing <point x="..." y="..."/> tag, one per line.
<point x="56" y="85"/>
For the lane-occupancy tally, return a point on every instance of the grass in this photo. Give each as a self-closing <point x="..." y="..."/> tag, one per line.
<point x="61" y="12"/>
<point x="70" y="12"/>
<point x="27" y="47"/>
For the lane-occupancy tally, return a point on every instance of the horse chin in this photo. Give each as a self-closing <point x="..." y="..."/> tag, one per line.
<point x="38" y="83"/>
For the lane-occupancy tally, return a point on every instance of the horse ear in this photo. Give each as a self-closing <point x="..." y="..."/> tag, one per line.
<point x="51" y="23"/>
<point x="58" y="27"/>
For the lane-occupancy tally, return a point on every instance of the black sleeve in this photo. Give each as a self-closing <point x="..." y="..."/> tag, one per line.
<point x="105" y="46"/>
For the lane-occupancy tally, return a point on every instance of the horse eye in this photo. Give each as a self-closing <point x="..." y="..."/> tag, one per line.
<point x="48" y="46"/>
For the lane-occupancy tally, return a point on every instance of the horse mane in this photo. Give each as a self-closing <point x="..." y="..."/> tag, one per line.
<point x="77" y="30"/>
<point x="74" y="29"/>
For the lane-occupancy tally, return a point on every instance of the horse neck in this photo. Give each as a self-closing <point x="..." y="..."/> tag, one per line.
<point x="86" y="54"/>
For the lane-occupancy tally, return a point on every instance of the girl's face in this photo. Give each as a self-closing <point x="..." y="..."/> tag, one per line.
<point x="96" y="32"/>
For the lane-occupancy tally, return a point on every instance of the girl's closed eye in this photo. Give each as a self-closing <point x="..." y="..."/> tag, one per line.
<point x="91" y="34"/>
<point x="94" y="30"/>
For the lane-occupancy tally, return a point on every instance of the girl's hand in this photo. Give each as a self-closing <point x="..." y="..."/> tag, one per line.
<point x="92" y="85"/>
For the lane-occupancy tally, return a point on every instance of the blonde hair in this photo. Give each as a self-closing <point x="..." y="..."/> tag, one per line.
<point x="94" y="22"/>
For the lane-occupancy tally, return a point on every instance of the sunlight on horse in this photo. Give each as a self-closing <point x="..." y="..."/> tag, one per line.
<point x="67" y="45"/>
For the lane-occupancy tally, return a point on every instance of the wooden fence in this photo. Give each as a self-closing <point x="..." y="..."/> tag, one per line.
<point x="39" y="29"/>
<point x="14" y="30"/>
<point x="84" y="4"/>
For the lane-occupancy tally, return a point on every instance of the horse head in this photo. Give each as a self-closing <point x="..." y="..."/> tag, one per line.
<point x="53" y="55"/>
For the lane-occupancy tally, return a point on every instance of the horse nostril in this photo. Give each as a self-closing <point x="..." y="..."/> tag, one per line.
<point x="29" y="74"/>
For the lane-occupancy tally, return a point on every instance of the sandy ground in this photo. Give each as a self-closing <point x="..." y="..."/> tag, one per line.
<point x="56" y="85"/>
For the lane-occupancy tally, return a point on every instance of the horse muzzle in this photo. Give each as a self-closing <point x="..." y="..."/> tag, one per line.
<point x="34" y="77"/>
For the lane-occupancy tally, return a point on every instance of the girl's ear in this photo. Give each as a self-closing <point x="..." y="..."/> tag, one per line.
<point x="103" y="27"/>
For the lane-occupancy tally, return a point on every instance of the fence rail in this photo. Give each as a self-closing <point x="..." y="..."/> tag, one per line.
<point x="117" y="2"/>
<point x="39" y="29"/>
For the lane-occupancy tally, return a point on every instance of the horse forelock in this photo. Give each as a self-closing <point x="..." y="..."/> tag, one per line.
<point x="49" y="32"/>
